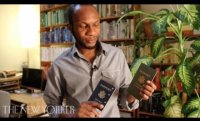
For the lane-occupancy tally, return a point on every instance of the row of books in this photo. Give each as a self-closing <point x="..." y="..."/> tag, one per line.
<point x="128" y="52"/>
<point x="56" y="35"/>
<point x="54" y="17"/>
<point x="48" y="6"/>
<point x="113" y="30"/>
<point x="107" y="10"/>
<point x="49" y="54"/>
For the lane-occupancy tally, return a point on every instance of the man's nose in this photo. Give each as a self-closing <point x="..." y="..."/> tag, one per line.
<point x="91" y="30"/>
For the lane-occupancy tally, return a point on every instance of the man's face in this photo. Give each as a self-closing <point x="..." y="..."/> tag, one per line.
<point x="86" y="26"/>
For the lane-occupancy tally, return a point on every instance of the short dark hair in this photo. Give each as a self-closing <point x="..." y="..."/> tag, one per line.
<point x="71" y="11"/>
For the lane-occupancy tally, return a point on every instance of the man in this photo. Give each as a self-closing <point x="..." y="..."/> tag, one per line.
<point x="76" y="72"/>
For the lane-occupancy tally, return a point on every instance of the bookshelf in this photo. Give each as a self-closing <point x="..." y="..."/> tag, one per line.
<point x="118" y="34"/>
<point x="55" y="36"/>
<point x="54" y="20"/>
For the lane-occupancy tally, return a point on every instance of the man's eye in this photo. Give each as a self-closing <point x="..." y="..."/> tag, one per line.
<point x="97" y="24"/>
<point x="82" y="26"/>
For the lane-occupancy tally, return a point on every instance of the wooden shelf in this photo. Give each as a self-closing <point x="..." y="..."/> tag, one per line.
<point x="110" y="18"/>
<point x="195" y="35"/>
<point x="148" y="114"/>
<point x="45" y="63"/>
<point x="133" y="113"/>
<point x="138" y="114"/>
<point x="55" y="8"/>
<point x="124" y="110"/>
<point x="65" y="44"/>
<point x="42" y="29"/>
<point x="198" y="91"/>
<point x="171" y="40"/>
<point x="164" y="64"/>
<point x="117" y="40"/>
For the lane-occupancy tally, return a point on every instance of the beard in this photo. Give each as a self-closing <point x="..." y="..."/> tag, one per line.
<point x="84" y="45"/>
<point x="81" y="43"/>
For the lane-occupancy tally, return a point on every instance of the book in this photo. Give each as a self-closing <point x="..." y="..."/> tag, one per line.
<point x="102" y="93"/>
<point x="143" y="74"/>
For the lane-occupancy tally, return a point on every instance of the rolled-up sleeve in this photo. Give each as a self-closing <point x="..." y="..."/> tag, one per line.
<point x="54" y="91"/>
<point x="126" y="80"/>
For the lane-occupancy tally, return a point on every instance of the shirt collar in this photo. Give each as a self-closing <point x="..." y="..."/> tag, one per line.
<point x="102" y="49"/>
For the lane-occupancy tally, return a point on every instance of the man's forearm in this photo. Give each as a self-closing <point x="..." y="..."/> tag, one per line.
<point x="130" y="98"/>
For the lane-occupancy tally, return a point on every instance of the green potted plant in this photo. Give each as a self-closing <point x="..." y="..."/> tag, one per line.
<point x="186" y="68"/>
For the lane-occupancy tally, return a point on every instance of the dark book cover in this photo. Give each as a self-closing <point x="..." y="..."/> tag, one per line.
<point x="143" y="74"/>
<point x="102" y="93"/>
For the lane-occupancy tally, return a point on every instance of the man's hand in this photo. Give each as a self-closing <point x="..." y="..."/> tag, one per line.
<point x="147" y="90"/>
<point x="89" y="110"/>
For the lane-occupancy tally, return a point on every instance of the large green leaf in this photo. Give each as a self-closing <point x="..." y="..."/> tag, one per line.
<point x="156" y="46"/>
<point x="136" y="12"/>
<point x="174" y="111"/>
<point x="187" y="78"/>
<point x="191" y="105"/>
<point x="165" y="79"/>
<point x="136" y="63"/>
<point x="166" y="103"/>
<point x="194" y="60"/>
<point x="162" y="12"/>
<point x="189" y="14"/>
<point x="172" y="100"/>
<point x="166" y="93"/>
<point x="196" y="45"/>
<point x="160" y="26"/>
<point x="194" y="114"/>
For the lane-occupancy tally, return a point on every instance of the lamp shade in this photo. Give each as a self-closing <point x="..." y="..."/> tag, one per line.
<point x="28" y="25"/>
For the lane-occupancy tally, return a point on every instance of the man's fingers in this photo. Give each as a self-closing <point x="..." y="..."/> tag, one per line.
<point x="147" y="90"/>
<point x="90" y="114"/>
<point x="94" y="112"/>
<point x="144" y="96"/>
<point x="95" y="104"/>
<point x="81" y="115"/>
<point x="89" y="109"/>
<point x="151" y="84"/>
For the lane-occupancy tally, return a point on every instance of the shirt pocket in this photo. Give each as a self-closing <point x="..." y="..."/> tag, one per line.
<point x="112" y="77"/>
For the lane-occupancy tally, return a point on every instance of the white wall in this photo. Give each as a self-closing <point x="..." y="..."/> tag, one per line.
<point x="12" y="54"/>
